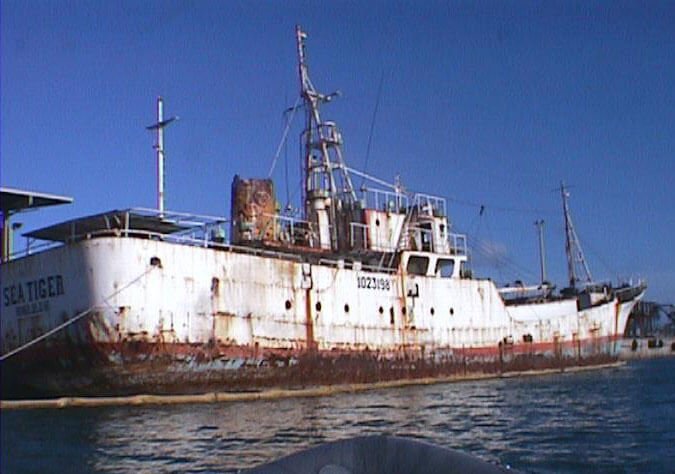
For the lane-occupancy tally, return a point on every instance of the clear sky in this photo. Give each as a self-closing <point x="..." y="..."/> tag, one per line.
<point x="485" y="103"/>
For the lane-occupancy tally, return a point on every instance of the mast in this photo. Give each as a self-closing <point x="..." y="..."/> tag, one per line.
<point x="575" y="256"/>
<point x="327" y="186"/>
<point x="159" y="146"/>
<point x="160" y="157"/>
<point x="542" y="258"/>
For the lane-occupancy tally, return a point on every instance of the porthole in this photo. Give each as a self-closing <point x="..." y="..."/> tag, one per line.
<point x="346" y="308"/>
<point x="288" y="304"/>
<point x="403" y="310"/>
<point x="318" y="306"/>
<point x="432" y="311"/>
<point x="381" y="310"/>
<point x="452" y="311"/>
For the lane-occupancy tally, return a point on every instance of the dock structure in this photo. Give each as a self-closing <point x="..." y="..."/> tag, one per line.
<point x="649" y="318"/>
<point x="650" y="331"/>
<point x="13" y="201"/>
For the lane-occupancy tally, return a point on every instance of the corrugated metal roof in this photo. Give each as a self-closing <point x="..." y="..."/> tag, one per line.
<point x="108" y="221"/>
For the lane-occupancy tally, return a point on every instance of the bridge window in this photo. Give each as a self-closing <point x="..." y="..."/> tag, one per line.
<point x="417" y="265"/>
<point x="445" y="267"/>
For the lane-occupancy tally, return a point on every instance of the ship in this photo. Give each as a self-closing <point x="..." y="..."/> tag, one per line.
<point x="361" y="286"/>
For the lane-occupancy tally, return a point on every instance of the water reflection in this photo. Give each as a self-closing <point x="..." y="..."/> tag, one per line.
<point x="601" y="422"/>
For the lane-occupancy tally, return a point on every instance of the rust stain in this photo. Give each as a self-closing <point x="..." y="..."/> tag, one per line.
<point x="309" y="322"/>
<point x="222" y="323"/>
<point x="141" y="365"/>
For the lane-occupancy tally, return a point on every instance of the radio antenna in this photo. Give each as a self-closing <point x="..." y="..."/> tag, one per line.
<point x="159" y="146"/>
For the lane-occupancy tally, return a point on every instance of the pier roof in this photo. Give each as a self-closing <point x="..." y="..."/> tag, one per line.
<point x="15" y="200"/>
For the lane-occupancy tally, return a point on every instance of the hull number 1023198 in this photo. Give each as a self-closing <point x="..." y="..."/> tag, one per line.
<point x="373" y="283"/>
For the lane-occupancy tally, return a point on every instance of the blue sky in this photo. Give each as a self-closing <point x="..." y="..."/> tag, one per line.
<point x="485" y="103"/>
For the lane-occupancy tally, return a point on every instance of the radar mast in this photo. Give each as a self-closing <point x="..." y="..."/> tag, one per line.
<point x="327" y="186"/>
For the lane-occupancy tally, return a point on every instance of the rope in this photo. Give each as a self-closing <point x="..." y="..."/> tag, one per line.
<point x="73" y="319"/>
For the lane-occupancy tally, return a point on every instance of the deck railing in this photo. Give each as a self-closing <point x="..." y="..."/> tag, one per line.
<point x="432" y="205"/>
<point x="212" y="231"/>
<point x="382" y="200"/>
<point x="457" y="243"/>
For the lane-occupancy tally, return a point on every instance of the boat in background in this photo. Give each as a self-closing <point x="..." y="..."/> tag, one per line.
<point x="365" y="286"/>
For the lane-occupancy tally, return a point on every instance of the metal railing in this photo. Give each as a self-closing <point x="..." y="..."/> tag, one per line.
<point x="433" y="205"/>
<point x="192" y="229"/>
<point x="163" y="237"/>
<point x="457" y="243"/>
<point x="423" y="238"/>
<point x="212" y="231"/>
<point x="382" y="200"/>
<point x="179" y="218"/>
<point x="293" y="231"/>
<point x="358" y="233"/>
<point x="32" y="248"/>
<point x="359" y="239"/>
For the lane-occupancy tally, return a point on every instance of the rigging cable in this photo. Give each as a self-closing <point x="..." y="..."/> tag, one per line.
<point x="284" y="135"/>
<point x="288" y="192"/>
<point x="74" y="318"/>
<point x="486" y="249"/>
<point x="372" y="126"/>
<point x="491" y="245"/>
<point x="482" y="208"/>
<point x="599" y="257"/>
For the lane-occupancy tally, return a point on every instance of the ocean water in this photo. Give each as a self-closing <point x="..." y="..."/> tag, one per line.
<point x="614" y="420"/>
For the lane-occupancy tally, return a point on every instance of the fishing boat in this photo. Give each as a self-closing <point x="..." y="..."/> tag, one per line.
<point x="367" y="285"/>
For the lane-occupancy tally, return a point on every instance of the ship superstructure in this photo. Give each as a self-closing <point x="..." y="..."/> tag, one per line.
<point x="364" y="286"/>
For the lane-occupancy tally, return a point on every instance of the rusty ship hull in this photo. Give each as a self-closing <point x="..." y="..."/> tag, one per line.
<point x="360" y="285"/>
<point x="217" y="318"/>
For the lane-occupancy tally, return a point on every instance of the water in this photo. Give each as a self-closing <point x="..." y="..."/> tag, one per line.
<point x="617" y="420"/>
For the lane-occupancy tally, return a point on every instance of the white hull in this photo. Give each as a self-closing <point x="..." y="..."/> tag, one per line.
<point x="235" y="305"/>
<point x="152" y="301"/>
